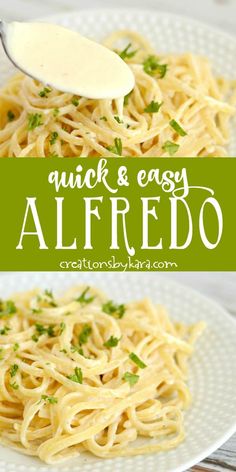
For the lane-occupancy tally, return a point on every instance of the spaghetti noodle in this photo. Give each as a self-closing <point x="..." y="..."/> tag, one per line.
<point x="81" y="372"/>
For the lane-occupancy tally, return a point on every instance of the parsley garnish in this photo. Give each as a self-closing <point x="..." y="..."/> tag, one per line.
<point x="7" y="309"/>
<point x="75" y="101"/>
<point x="131" y="378"/>
<point x="16" y="347"/>
<point x="49" y="398"/>
<point x="117" y="148"/>
<point x="126" y="98"/>
<point x="170" y="147"/>
<point x="117" y="118"/>
<point x="45" y="92"/>
<point x="104" y="118"/>
<point x="14" y="385"/>
<point x="153" y="107"/>
<point x="49" y="294"/>
<point x="55" y="112"/>
<point x="152" y="67"/>
<point x="4" y="330"/>
<point x="10" y="115"/>
<point x="177" y="128"/>
<point x="53" y="138"/>
<point x="85" y="333"/>
<point x="111" y="342"/>
<point x="62" y="327"/>
<point x="42" y="330"/>
<point x="77" y="376"/>
<point x="83" y="299"/>
<point x="113" y="309"/>
<point x="13" y="370"/>
<point x="137" y="361"/>
<point x="77" y="349"/>
<point x="34" y="120"/>
<point x="126" y="54"/>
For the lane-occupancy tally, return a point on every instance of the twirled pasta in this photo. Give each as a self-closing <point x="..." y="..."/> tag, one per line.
<point x="39" y="122"/>
<point x="83" y="373"/>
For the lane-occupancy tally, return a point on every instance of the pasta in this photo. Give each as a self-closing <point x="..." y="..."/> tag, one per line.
<point x="177" y="108"/>
<point x="82" y="373"/>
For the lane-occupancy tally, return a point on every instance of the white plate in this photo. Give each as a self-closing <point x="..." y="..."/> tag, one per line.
<point x="211" y="419"/>
<point x="167" y="32"/>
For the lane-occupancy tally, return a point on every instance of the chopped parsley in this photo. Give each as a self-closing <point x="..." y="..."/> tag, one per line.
<point x="85" y="333"/>
<point x="4" y="330"/>
<point x="77" y="376"/>
<point x="44" y="93"/>
<point x="16" y="347"/>
<point x="133" y="357"/>
<point x="131" y="378"/>
<point x="153" y="107"/>
<point x="111" y="342"/>
<point x="55" y="112"/>
<point x="83" y="298"/>
<point x="152" y="67"/>
<point x="50" y="295"/>
<point x="126" y="98"/>
<point x="113" y="309"/>
<point x="10" y="115"/>
<point x="103" y="118"/>
<point x="62" y="327"/>
<point x="34" y="120"/>
<point x="170" y="147"/>
<point x="36" y="310"/>
<point x="75" y="101"/>
<point x="117" y="148"/>
<point x="7" y="309"/>
<point x="40" y="330"/>
<point x="13" y="370"/>
<point x="117" y="118"/>
<point x="14" y="385"/>
<point x="176" y="126"/>
<point x="49" y="398"/>
<point x="77" y="349"/>
<point x="53" y="137"/>
<point x="126" y="53"/>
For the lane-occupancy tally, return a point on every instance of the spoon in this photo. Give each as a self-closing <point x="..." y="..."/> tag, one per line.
<point x="65" y="60"/>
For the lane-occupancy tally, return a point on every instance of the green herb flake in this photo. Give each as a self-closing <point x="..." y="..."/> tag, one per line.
<point x="10" y="115"/>
<point x="113" y="309"/>
<point x="85" y="333"/>
<point x="176" y="126"/>
<point x="77" y="376"/>
<point x="75" y="101"/>
<point x="7" y="308"/>
<point x="133" y="357"/>
<point x="14" y="385"/>
<point x="77" y="349"/>
<point x="34" y="120"/>
<point x="152" y="67"/>
<point x="53" y="137"/>
<point x="36" y="310"/>
<point x="83" y="299"/>
<point x="117" y="148"/>
<point x="131" y="378"/>
<point x="50" y="399"/>
<point x="49" y="294"/>
<point x="62" y="327"/>
<point x="44" y="93"/>
<point x="4" y="330"/>
<point x="126" y="53"/>
<point x="103" y="118"/>
<point x="111" y="342"/>
<point x="56" y="112"/>
<point x="126" y="98"/>
<point x="117" y="118"/>
<point x="153" y="107"/>
<point x="64" y="351"/>
<point x="170" y="147"/>
<point x="13" y="370"/>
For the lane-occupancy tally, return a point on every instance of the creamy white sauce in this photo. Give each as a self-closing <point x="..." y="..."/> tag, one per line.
<point x="67" y="61"/>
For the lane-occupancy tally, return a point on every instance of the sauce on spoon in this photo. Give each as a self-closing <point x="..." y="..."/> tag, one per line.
<point x="67" y="61"/>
